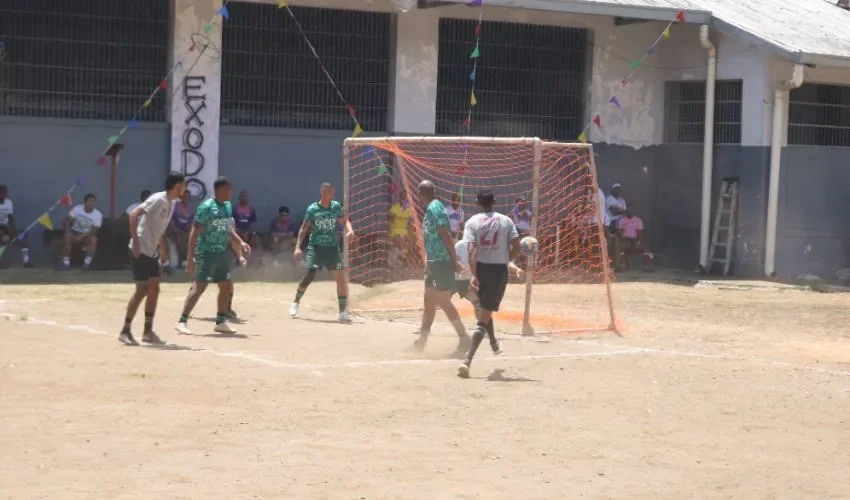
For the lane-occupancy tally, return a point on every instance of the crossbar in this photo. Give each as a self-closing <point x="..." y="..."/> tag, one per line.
<point x="482" y="140"/>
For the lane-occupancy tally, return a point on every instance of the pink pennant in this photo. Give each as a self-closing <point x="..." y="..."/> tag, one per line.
<point x="478" y="30"/>
<point x="466" y="122"/>
<point x="394" y="188"/>
<point x="351" y="110"/>
<point x="680" y="17"/>
<point x="163" y="84"/>
<point x="66" y="200"/>
<point x="192" y="47"/>
<point x="101" y="160"/>
<point x="597" y="121"/>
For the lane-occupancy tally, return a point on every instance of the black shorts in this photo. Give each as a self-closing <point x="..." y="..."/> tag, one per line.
<point x="492" y="282"/>
<point x="145" y="268"/>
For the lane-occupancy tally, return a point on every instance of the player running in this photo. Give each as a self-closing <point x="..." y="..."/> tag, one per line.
<point x="323" y="248"/>
<point x="209" y="259"/>
<point x="441" y="265"/>
<point x="148" y="222"/>
<point x="494" y="243"/>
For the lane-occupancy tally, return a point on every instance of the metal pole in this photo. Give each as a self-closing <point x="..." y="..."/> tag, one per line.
<point x="535" y="212"/>
<point x="345" y="200"/>
<point x="603" y="243"/>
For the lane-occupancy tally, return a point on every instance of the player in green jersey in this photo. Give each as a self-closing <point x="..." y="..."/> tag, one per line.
<point x="212" y="234"/>
<point x="323" y="248"/>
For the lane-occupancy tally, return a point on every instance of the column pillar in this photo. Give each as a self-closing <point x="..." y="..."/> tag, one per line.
<point x="414" y="73"/>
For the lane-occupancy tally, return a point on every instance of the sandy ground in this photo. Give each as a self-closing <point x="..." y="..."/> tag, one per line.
<point x="710" y="393"/>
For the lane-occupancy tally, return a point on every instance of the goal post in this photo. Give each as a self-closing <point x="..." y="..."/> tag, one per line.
<point x="550" y="186"/>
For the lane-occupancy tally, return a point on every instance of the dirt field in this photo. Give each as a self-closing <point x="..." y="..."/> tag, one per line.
<point x="710" y="393"/>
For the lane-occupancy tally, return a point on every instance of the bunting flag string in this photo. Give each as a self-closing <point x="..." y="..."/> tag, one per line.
<point x="473" y="100"/>
<point x="634" y="65"/>
<point x="162" y="85"/>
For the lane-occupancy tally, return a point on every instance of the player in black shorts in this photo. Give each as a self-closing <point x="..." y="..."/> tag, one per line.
<point x="494" y="243"/>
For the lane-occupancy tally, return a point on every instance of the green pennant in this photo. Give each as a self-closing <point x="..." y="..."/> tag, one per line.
<point x="475" y="53"/>
<point x="208" y="28"/>
<point x="3" y="250"/>
<point x="635" y="64"/>
<point x="112" y="139"/>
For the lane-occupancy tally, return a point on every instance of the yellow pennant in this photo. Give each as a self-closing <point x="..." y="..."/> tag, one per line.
<point x="357" y="130"/>
<point x="147" y="103"/>
<point x="472" y="100"/>
<point x="666" y="34"/>
<point x="281" y="4"/>
<point x="583" y="138"/>
<point x="44" y="220"/>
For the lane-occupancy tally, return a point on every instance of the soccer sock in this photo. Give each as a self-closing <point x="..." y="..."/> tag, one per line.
<point x="128" y="322"/>
<point x="87" y="260"/>
<point x="491" y="332"/>
<point x="343" y="302"/>
<point x="148" y="322"/>
<point x="25" y="253"/>
<point x="477" y="337"/>
<point x="298" y="295"/>
<point x="219" y="318"/>
<point x="66" y="261"/>
<point x="184" y="318"/>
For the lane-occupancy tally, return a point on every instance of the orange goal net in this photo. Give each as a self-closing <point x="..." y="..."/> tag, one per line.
<point x="549" y="188"/>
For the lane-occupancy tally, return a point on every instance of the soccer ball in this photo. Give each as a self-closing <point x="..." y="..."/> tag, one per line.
<point x="528" y="245"/>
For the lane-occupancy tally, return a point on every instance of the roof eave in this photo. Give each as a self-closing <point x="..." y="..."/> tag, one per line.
<point x="595" y="9"/>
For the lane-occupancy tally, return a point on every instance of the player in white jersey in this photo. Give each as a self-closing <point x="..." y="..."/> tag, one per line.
<point x="494" y="242"/>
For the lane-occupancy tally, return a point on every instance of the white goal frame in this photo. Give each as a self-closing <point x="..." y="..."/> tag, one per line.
<point x="537" y="144"/>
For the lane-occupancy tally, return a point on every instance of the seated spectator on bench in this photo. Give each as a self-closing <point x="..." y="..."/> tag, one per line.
<point x="521" y="215"/>
<point x="245" y="216"/>
<point x="81" y="227"/>
<point x="616" y="205"/>
<point x="142" y="197"/>
<point x="8" y="230"/>
<point x="177" y="234"/>
<point x="281" y="233"/>
<point x="630" y="231"/>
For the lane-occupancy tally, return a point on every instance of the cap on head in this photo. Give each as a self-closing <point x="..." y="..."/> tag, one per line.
<point x="616" y="185"/>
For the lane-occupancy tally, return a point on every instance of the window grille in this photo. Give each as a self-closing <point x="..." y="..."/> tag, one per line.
<point x="685" y="112"/>
<point x="531" y="79"/>
<point x="270" y="78"/>
<point x="819" y="115"/>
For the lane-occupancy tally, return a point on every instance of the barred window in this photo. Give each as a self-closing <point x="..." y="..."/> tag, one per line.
<point x="819" y="115"/>
<point x="531" y="80"/>
<point x="270" y="78"/>
<point x="684" y="109"/>
<point x="91" y="59"/>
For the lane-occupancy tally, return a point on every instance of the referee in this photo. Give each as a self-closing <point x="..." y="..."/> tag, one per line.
<point x="493" y="243"/>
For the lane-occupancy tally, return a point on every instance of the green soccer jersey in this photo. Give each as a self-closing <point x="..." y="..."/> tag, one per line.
<point x="323" y="220"/>
<point x="215" y="217"/>
<point x="435" y="218"/>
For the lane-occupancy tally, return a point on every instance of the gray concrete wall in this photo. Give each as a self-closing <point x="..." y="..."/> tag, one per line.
<point x="42" y="157"/>
<point x="813" y="233"/>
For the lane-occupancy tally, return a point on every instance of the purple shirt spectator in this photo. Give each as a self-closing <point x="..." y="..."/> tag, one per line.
<point x="280" y="227"/>
<point x="182" y="218"/>
<point x="245" y="216"/>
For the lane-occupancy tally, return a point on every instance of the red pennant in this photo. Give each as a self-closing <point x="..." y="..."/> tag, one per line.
<point x="351" y="110"/>
<point x="625" y="82"/>
<point x="163" y="84"/>
<point x="394" y="188"/>
<point x="680" y="16"/>
<point x="192" y="47"/>
<point x="322" y="67"/>
<point x="478" y="30"/>
<point x="466" y="122"/>
<point x="597" y="121"/>
<point x="66" y="200"/>
<point x="101" y="160"/>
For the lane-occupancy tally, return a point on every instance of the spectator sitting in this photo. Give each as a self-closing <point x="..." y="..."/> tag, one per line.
<point x="81" y="227"/>
<point x="8" y="230"/>
<point x="615" y="205"/>
<point x="144" y="196"/>
<point x="456" y="217"/>
<point x="245" y="216"/>
<point x="521" y="215"/>
<point x="630" y="230"/>
<point x="177" y="234"/>
<point x="281" y="235"/>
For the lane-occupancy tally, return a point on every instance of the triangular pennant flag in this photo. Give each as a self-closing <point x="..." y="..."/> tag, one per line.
<point x="357" y="130"/>
<point x="472" y="75"/>
<point x="582" y="138"/>
<point x="680" y="16"/>
<point x="224" y="13"/>
<point x="467" y="122"/>
<point x="351" y="110"/>
<point x="651" y="49"/>
<point x="192" y="47"/>
<point x="476" y="3"/>
<point x="472" y="100"/>
<point x="597" y="121"/>
<point x="101" y="160"/>
<point x="635" y="64"/>
<point x="613" y="100"/>
<point x="3" y="250"/>
<point x="394" y="188"/>
<point x="79" y="182"/>
<point x="475" y="53"/>
<point x="208" y="28"/>
<point x="382" y="170"/>
<point x="478" y="30"/>
<point x="112" y="139"/>
<point x="281" y="4"/>
<point x="163" y="84"/>
<point x="45" y="221"/>
<point x="625" y="82"/>
<point x="666" y="33"/>
<point x="133" y="122"/>
<point x="148" y="103"/>
<point x="66" y="200"/>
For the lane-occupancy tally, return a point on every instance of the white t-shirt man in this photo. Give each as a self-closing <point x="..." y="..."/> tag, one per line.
<point x="491" y="233"/>
<point x="601" y="202"/>
<point x="156" y="215"/>
<point x="462" y="251"/>
<point x="615" y="201"/>
<point x="456" y="217"/>
<point x="85" y="221"/>
<point x="132" y="207"/>
<point x="6" y="209"/>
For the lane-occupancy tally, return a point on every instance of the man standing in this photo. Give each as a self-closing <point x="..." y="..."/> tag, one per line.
<point x="440" y="267"/>
<point x="456" y="217"/>
<point x="148" y="223"/>
<point x="616" y="205"/>
<point x="494" y="242"/>
<point x="209" y="260"/>
<point x="81" y="229"/>
<point x="321" y="222"/>
<point x="8" y="230"/>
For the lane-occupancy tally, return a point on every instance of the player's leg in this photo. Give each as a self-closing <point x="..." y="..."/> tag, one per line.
<point x="443" y="276"/>
<point x="151" y="299"/>
<point x="225" y="288"/>
<point x="333" y="260"/>
<point x="202" y="276"/>
<point x="429" y="309"/>
<point x="492" y="283"/>
<point x="140" y="278"/>
<point x="472" y="297"/>
<point x="313" y="267"/>
<point x="90" y="248"/>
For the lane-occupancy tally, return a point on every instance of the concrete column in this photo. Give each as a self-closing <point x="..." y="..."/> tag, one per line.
<point x="413" y="107"/>
<point x="196" y="105"/>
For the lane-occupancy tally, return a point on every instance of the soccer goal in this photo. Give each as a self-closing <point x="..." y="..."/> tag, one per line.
<point x="552" y="185"/>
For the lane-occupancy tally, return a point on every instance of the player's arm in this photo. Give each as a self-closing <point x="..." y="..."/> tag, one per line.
<point x="134" y="227"/>
<point x="516" y="270"/>
<point x="343" y="218"/>
<point x="515" y="243"/>
<point x="197" y="227"/>
<point x="302" y="233"/>
<point x="236" y="241"/>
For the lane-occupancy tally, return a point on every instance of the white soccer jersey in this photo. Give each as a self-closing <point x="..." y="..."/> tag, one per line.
<point x="491" y="233"/>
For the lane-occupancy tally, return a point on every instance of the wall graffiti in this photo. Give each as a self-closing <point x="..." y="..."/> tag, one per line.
<point x="192" y="155"/>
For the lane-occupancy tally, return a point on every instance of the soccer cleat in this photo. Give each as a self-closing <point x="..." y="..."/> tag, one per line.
<point x="126" y="338"/>
<point x="183" y="328"/>
<point x="463" y="370"/>
<point x="231" y="315"/>
<point x="345" y="317"/>
<point x="223" y="327"/>
<point x="293" y="309"/>
<point x="497" y="348"/>
<point x="152" y="338"/>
